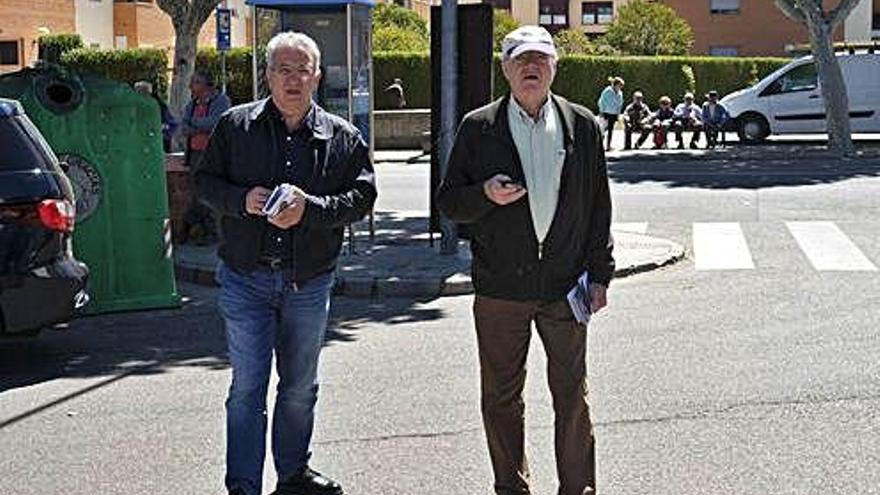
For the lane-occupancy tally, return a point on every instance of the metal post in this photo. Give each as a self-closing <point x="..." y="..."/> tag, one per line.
<point x="223" y="69"/>
<point x="448" y="108"/>
<point x="255" y="42"/>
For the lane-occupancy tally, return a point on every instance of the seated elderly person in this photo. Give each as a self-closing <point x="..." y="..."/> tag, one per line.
<point x="688" y="117"/>
<point x="715" y="116"/>
<point x="633" y="121"/>
<point x="660" y="121"/>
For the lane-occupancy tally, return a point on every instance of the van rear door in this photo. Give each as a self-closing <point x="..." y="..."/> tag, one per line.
<point x="862" y="75"/>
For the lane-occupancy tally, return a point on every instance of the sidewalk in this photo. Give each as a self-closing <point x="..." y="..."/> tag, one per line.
<point x="775" y="148"/>
<point x="401" y="262"/>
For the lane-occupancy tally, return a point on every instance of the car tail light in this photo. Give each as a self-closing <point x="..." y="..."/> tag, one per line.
<point x="57" y="214"/>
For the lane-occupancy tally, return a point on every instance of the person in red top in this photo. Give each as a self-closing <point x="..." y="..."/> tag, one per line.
<point x="201" y="114"/>
<point x="199" y="118"/>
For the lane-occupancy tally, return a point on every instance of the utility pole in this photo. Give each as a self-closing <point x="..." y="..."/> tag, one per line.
<point x="448" y="109"/>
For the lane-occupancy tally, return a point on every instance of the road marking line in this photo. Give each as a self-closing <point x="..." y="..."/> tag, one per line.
<point x="635" y="227"/>
<point x="828" y="248"/>
<point x="721" y="246"/>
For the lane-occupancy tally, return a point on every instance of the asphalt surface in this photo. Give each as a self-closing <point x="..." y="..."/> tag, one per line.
<point x="756" y="381"/>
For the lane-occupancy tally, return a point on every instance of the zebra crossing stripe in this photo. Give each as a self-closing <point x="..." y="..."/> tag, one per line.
<point x="634" y="227"/>
<point x="721" y="246"/>
<point x="828" y="248"/>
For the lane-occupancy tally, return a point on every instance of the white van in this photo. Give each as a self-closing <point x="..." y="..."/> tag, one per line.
<point x="789" y="101"/>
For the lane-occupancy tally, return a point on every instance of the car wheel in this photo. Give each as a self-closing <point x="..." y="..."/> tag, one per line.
<point x="753" y="128"/>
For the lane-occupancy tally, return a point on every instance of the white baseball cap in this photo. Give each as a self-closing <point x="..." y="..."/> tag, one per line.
<point x="527" y="39"/>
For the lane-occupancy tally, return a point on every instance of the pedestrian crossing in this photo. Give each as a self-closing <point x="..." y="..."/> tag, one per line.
<point x="720" y="246"/>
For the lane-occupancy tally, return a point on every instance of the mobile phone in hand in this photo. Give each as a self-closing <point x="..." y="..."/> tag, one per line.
<point x="510" y="183"/>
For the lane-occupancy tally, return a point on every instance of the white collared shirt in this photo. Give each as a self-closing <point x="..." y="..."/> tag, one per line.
<point x="542" y="154"/>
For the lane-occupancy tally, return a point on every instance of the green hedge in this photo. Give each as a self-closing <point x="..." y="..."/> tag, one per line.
<point x="127" y="66"/>
<point x="239" y="83"/>
<point x="582" y="78"/>
<point x="53" y="46"/>
<point x="415" y="71"/>
<point x="413" y="68"/>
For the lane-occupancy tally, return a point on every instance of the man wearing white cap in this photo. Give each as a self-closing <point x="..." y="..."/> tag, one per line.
<point x="527" y="173"/>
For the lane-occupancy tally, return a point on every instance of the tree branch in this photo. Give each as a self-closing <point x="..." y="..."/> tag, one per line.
<point x="791" y="9"/>
<point x="841" y="12"/>
<point x="177" y="10"/>
<point x="202" y="10"/>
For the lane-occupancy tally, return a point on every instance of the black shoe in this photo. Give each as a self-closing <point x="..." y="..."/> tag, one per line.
<point x="308" y="482"/>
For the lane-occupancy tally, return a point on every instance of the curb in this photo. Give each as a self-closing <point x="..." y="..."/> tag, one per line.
<point x="744" y="153"/>
<point x="457" y="284"/>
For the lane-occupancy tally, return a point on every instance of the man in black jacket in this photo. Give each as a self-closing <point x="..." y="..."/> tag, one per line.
<point x="277" y="271"/>
<point x="527" y="173"/>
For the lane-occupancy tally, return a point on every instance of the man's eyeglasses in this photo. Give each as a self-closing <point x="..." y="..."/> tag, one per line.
<point x="286" y="71"/>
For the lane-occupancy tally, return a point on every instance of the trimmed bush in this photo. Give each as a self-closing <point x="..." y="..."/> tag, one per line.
<point x="415" y="71"/>
<point x="239" y="67"/>
<point x="580" y="78"/>
<point x="393" y="38"/>
<point x="413" y="68"/>
<point x="126" y="66"/>
<point x="53" y="46"/>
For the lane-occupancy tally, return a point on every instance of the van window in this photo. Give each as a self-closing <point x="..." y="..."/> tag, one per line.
<point x="800" y="78"/>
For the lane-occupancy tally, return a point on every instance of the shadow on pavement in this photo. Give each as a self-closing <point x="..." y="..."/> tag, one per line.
<point x="112" y="346"/>
<point x="749" y="168"/>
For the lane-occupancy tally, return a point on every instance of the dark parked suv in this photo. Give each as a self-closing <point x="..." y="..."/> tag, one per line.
<point x="41" y="283"/>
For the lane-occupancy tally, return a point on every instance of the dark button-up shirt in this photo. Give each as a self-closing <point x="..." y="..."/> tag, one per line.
<point x="297" y="161"/>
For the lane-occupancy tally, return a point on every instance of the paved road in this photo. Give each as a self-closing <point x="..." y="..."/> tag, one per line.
<point x="706" y="379"/>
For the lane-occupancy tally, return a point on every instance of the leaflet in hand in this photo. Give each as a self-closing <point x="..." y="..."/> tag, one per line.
<point x="280" y="198"/>
<point x="579" y="299"/>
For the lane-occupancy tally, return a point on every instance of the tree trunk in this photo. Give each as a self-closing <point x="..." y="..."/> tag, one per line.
<point x="185" y="42"/>
<point x="185" y="45"/>
<point x="833" y="86"/>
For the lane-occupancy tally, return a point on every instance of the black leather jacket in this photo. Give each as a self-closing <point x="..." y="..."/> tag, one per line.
<point x="507" y="261"/>
<point x="244" y="152"/>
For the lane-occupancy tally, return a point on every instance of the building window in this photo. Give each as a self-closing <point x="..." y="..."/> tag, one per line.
<point x="724" y="6"/>
<point x="9" y="53"/>
<point x="723" y="51"/>
<point x="552" y="18"/>
<point x="597" y="13"/>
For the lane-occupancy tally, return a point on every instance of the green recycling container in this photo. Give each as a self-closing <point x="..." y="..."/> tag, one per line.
<point x="111" y="139"/>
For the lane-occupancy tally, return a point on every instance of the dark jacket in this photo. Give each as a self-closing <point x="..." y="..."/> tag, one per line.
<point x="244" y="152"/>
<point x="506" y="260"/>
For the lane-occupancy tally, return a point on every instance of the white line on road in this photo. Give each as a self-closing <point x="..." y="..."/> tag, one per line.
<point x="635" y="227"/>
<point x="721" y="246"/>
<point x="828" y="248"/>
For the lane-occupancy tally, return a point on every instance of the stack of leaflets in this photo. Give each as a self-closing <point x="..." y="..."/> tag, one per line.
<point x="279" y="199"/>
<point x="579" y="299"/>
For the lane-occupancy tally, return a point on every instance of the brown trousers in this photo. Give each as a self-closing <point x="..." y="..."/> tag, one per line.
<point x="503" y="333"/>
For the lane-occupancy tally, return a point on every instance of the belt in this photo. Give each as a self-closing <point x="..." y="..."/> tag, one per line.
<point x="275" y="263"/>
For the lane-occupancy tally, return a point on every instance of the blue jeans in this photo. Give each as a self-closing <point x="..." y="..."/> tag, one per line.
<point x="264" y="312"/>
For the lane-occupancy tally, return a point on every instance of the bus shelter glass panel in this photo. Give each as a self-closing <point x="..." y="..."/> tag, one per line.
<point x="328" y="27"/>
<point x="361" y="68"/>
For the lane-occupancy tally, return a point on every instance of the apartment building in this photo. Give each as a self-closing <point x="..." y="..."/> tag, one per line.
<point x="721" y="27"/>
<point x="106" y="24"/>
<point x="21" y="23"/>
